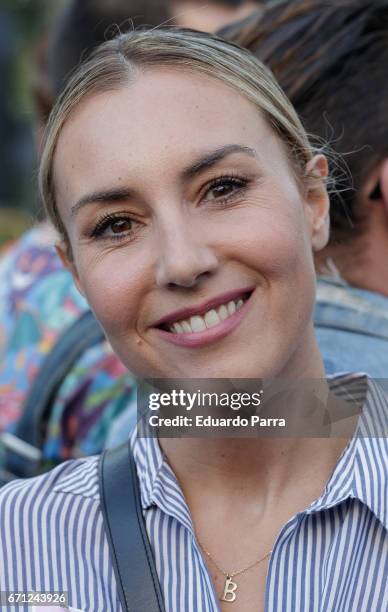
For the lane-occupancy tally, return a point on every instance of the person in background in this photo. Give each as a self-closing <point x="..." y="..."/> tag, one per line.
<point x="331" y="60"/>
<point x="38" y="299"/>
<point x="16" y="145"/>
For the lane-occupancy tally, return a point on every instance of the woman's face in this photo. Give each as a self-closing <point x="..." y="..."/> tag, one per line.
<point x="189" y="235"/>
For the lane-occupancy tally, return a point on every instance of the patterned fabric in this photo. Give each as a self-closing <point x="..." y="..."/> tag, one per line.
<point x="96" y="392"/>
<point x="38" y="301"/>
<point x="333" y="556"/>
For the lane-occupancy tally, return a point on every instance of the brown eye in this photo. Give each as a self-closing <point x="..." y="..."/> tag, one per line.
<point x="223" y="188"/>
<point x="120" y="225"/>
<point x="115" y="226"/>
<point x="219" y="191"/>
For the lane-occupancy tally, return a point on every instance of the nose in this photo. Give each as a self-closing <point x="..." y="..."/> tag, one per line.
<point x="184" y="258"/>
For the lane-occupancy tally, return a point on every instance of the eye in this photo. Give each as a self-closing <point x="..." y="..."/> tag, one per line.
<point x="114" y="226"/>
<point x="224" y="188"/>
<point x="120" y="225"/>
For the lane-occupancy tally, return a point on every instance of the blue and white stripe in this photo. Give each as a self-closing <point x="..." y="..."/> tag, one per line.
<point x="332" y="557"/>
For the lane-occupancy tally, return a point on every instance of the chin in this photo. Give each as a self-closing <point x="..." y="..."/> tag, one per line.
<point x="240" y="359"/>
<point x="238" y="366"/>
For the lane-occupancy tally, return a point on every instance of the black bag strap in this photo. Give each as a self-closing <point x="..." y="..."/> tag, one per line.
<point x="28" y="437"/>
<point x="133" y="562"/>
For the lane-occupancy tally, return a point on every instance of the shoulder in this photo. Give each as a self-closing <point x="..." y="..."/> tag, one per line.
<point x="75" y="477"/>
<point x="52" y="533"/>
<point x="45" y="519"/>
<point x="35" y="505"/>
<point x="40" y="513"/>
<point x="364" y="396"/>
<point x="351" y="308"/>
<point x="352" y="328"/>
<point x="366" y="456"/>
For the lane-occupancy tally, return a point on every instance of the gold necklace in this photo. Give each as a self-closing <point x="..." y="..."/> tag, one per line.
<point x="230" y="587"/>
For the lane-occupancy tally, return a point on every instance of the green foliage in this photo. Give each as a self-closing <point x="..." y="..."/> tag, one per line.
<point x="12" y="224"/>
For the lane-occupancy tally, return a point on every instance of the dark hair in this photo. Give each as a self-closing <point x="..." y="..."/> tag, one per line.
<point x="231" y="3"/>
<point x="84" y="24"/>
<point x="331" y="58"/>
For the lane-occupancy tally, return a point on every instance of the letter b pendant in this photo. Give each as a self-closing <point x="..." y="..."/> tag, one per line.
<point x="230" y="589"/>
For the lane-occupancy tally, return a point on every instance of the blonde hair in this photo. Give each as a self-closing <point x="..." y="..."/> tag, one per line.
<point x="115" y="62"/>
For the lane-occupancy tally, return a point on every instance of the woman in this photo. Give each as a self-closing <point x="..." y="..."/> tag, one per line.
<point x="97" y="387"/>
<point x="330" y="58"/>
<point x="190" y="202"/>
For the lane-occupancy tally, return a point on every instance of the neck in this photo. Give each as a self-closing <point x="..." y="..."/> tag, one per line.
<point x="242" y="469"/>
<point x="239" y="472"/>
<point x="250" y="472"/>
<point x="362" y="261"/>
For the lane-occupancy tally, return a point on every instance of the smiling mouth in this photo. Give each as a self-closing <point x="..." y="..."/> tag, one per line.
<point x="212" y="317"/>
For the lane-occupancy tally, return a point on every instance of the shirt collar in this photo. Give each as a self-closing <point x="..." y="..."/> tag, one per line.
<point x="361" y="471"/>
<point x="158" y="483"/>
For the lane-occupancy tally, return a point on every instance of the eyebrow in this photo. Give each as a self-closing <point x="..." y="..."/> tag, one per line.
<point x="191" y="171"/>
<point x="106" y="195"/>
<point x="213" y="158"/>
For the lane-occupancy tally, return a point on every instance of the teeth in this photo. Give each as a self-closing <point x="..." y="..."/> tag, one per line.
<point x="197" y="324"/>
<point x="186" y="327"/>
<point x="210" y="319"/>
<point x="231" y="308"/>
<point x="223" y="312"/>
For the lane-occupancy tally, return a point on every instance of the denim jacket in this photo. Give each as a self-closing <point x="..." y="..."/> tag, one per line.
<point x="352" y="328"/>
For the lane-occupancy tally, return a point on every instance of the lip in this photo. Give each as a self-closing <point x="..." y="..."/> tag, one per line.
<point x="213" y="334"/>
<point x="185" y="313"/>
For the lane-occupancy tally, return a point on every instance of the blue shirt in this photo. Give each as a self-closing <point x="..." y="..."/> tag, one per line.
<point x="331" y="557"/>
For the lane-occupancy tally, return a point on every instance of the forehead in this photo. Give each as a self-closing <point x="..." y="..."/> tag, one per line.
<point x="159" y="120"/>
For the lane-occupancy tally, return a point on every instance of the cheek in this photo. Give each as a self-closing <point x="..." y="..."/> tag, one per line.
<point x="275" y="242"/>
<point x="277" y="246"/>
<point x="114" y="285"/>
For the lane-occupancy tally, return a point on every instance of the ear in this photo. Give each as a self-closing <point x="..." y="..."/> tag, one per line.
<point x="64" y="253"/>
<point x="317" y="201"/>
<point x="382" y="181"/>
<point x="375" y="189"/>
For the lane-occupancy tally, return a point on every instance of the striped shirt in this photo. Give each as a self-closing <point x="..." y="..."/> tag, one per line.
<point x="331" y="557"/>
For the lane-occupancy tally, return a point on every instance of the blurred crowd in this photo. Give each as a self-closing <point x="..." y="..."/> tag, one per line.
<point x="63" y="393"/>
